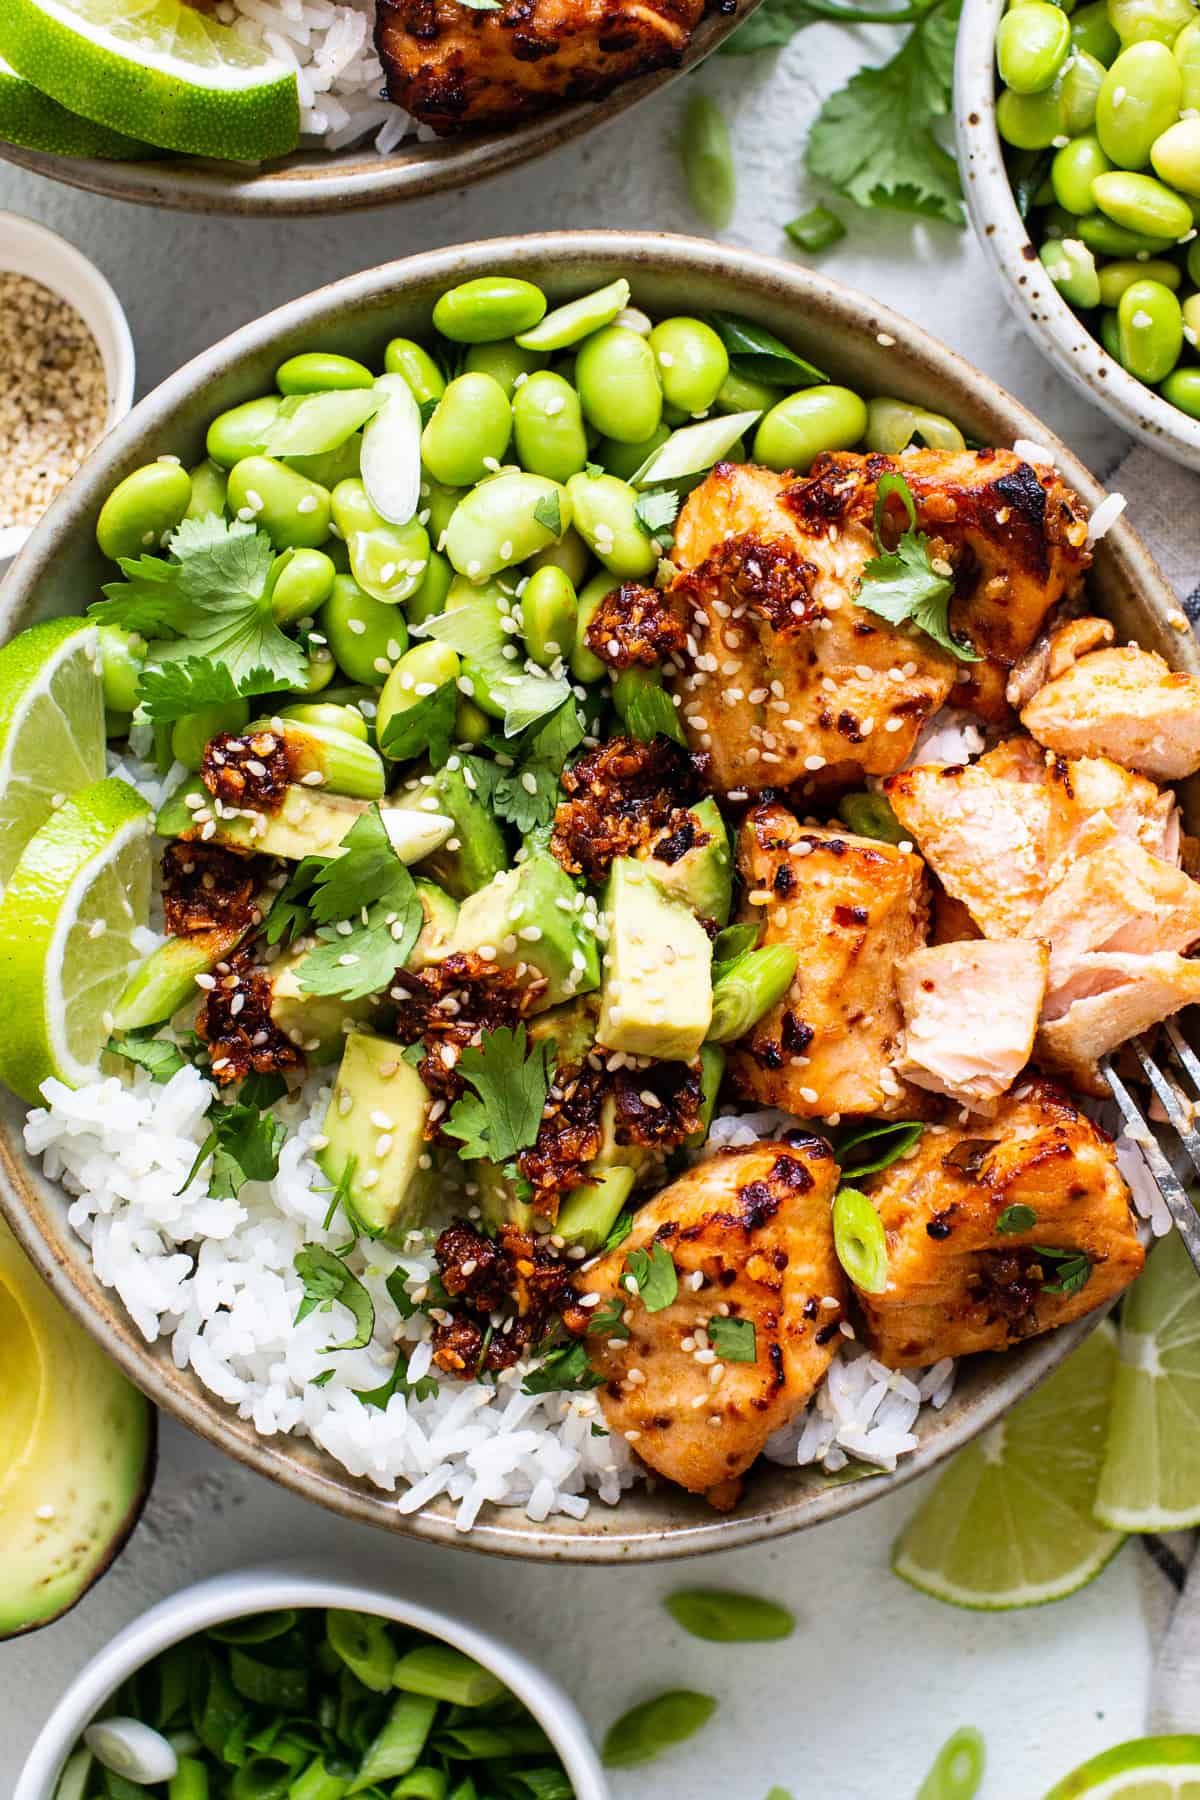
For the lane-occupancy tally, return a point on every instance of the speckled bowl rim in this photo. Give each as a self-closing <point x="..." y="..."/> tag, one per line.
<point x="867" y="343"/>
<point x="1057" y="331"/>
<point x="315" y="181"/>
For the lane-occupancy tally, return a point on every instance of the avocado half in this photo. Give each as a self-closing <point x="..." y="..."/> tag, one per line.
<point x="77" y="1447"/>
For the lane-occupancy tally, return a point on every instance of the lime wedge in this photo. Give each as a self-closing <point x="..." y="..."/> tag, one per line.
<point x="51" y="727"/>
<point x="155" y="69"/>
<point x="66" y="925"/>
<point x="1153" y="1768"/>
<point x="32" y="121"/>
<point x="1150" y="1480"/>
<point x="1010" y="1522"/>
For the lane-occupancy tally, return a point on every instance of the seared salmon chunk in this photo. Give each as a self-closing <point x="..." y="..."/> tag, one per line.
<point x="1126" y="704"/>
<point x="970" y="1016"/>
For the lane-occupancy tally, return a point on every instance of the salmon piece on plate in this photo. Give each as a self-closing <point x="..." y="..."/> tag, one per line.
<point x="970" y="1015"/>
<point x="1126" y="704"/>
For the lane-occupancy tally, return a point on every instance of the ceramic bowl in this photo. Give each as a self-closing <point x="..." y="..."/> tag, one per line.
<point x="27" y="248"/>
<point x="859" y="342"/>
<point x="232" y="1596"/>
<point x="316" y="181"/>
<point x="1059" y="333"/>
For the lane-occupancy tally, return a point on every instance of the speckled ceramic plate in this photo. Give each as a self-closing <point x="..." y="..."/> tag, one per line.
<point x="1059" y="333"/>
<point x="315" y="181"/>
<point x="859" y="342"/>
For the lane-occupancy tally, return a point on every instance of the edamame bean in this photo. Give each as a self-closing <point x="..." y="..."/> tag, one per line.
<point x="1092" y="32"/>
<point x="1191" y="317"/>
<point x="586" y="666"/>
<point x="1138" y="100"/>
<point x="144" y="509"/>
<point x="490" y="307"/>
<point x="439" y="501"/>
<point x="301" y="582"/>
<point x="549" y="609"/>
<point x="1072" y="268"/>
<point x="505" y="520"/>
<point x="1139" y="21"/>
<point x="1175" y="156"/>
<point x="1030" y="121"/>
<point x="1117" y="276"/>
<point x="1057" y="222"/>
<point x="366" y="637"/>
<point x="740" y="394"/>
<point x="893" y="424"/>
<point x="319" y="372"/>
<point x="388" y="561"/>
<point x="1150" y="323"/>
<point x="624" y="460"/>
<point x="1182" y="389"/>
<point x="122" y="654"/>
<point x="471" y="723"/>
<point x="568" y="324"/>
<point x="209" y="484"/>
<point x="242" y="431"/>
<point x="1110" y="335"/>
<point x="603" y="510"/>
<point x="1031" y="46"/>
<point x="346" y="719"/>
<point x="419" y="673"/>
<point x="1186" y="51"/>
<point x="799" y="427"/>
<point x="430" y="598"/>
<point x="1082" y="79"/>
<point x="468" y="431"/>
<point x="292" y="510"/>
<point x="1107" y="238"/>
<point x="548" y="431"/>
<point x="505" y="362"/>
<point x="1141" y="203"/>
<point x="1193" y="262"/>
<point x="617" y="380"/>
<point x="320" y="670"/>
<point x="692" y="363"/>
<point x="189" y="736"/>
<point x="1073" y="171"/>
<point x="411" y="360"/>
<point x="570" y="554"/>
<point x="328" y="467"/>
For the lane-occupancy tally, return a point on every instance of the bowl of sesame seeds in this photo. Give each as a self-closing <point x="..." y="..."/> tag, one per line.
<point x="66" y="370"/>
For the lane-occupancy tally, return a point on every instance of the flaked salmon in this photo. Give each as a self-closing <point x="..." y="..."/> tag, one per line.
<point x="970" y="1015"/>
<point x="1126" y="704"/>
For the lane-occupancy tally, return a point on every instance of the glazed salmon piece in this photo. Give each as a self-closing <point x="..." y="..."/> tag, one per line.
<point x="1126" y="704"/>
<point x="750" y="1233"/>
<point x="966" y="1272"/>
<point x="1052" y="653"/>
<point x="1110" y="997"/>
<point x="852" y="908"/>
<point x="970" y="1016"/>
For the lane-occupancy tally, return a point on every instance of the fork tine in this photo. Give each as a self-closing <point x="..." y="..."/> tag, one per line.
<point x="1177" y="1104"/>
<point x="1187" y="1221"/>
<point x="1183" y="1050"/>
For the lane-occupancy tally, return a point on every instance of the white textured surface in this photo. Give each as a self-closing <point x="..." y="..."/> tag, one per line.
<point x="855" y="1705"/>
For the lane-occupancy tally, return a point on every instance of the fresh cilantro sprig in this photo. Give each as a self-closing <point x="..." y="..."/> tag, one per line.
<point x="902" y="584"/>
<point x="527" y="794"/>
<point x="504" y="1113"/>
<point x="1071" y="1270"/>
<point x="158" y="1056"/>
<point x="326" y="1279"/>
<point x="609" y="1321"/>
<point x="244" y="1141"/>
<point x="1015" y="1218"/>
<point x="425" y="1388"/>
<point x="651" y="1275"/>
<point x="525" y="694"/>
<point x="368" y="887"/>
<point x="566" y="1369"/>
<point x="425" y="727"/>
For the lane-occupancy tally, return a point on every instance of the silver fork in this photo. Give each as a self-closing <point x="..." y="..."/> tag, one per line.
<point x="1181" y="1109"/>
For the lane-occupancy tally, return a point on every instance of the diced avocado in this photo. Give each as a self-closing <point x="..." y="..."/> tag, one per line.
<point x="611" y="1154"/>
<point x="376" y="1119"/>
<point x="441" y="915"/>
<point x="308" y="822"/>
<point x="475" y="850"/>
<point x="528" y="915"/>
<point x="499" y="1200"/>
<point x="573" y="1028"/>
<point x="588" y="1213"/>
<point x="76" y="1452"/>
<point x="166" y="980"/>
<point x="702" y="875"/>
<point x="317" y="1022"/>
<point x="656" y="997"/>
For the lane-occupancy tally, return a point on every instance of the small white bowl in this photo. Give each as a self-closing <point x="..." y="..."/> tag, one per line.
<point x="27" y="248"/>
<point x="1058" y="332"/>
<point x="245" y="1591"/>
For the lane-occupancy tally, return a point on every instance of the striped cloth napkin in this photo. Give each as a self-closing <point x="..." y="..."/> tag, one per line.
<point x="1164" y="506"/>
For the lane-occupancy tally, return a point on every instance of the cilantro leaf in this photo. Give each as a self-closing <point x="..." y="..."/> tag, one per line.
<point x="159" y="1056"/>
<point x="365" y="870"/>
<point x="759" y="355"/>
<point x="656" y="511"/>
<point x="548" y="512"/>
<point x="567" y="1369"/>
<point x="426" y="1388"/>
<point x="525" y="695"/>
<point x="175" y="690"/>
<point x="1072" y="1270"/>
<point x="621" y="1228"/>
<point x="289" y="914"/>
<point x="1016" y="1218"/>
<point x="426" y="725"/>
<point x="527" y="795"/>
<point x="734" y="1340"/>
<point x="608" y="1321"/>
<point x="505" y="1111"/>
<point x="647" y="710"/>
<point x="326" y="1279"/>
<point x="874" y="139"/>
<point x="653" y="1277"/>
<point x="365" y="885"/>
<point x="244" y="1141"/>
<point x="771" y="26"/>
<point x="903" y="584"/>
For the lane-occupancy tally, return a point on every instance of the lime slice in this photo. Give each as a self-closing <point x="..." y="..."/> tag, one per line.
<point x="66" y="924"/>
<point x="1153" y="1768"/>
<point x="51" y="727"/>
<point x="1010" y="1522"/>
<point x="32" y="121"/>
<point x="155" y="69"/>
<point x="1150" y="1480"/>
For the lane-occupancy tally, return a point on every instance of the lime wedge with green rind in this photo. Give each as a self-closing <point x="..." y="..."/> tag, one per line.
<point x="51" y="726"/>
<point x="1150" y="1480"/>
<point x="32" y="121"/>
<point x="1153" y="1768"/>
<point x="158" y="70"/>
<point x="1010" y="1522"/>
<point x="66" y="935"/>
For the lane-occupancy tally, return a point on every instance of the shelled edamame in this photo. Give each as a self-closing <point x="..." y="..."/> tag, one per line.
<point x="1099" y="109"/>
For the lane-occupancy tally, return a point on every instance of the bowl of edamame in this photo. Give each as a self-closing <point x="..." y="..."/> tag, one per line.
<point x="410" y="494"/>
<point x="1079" y="144"/>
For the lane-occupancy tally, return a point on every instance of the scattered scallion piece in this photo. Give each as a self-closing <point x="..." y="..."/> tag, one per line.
<point x="724" y="1618"/>
<point x="957" y="1771"/>
<point x="399" y="1744"/>
<point x="128" y="1747"/>
<point x="443" y="1673"/>
<point x="708" y="161"/>
<point x="363" y="1643"/>
<point x="656" y="1725"/>
<point x="860" y="1241"/>
<point x="816" y="230"/>
<point x="870" y="815"/>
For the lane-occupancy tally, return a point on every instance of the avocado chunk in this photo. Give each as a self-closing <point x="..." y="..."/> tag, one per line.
<point x="700" y="872"/>
<point x="319" y="1023"/>
<point x="76" y="1452"/>
<point x="475" y="850"/>
<point x="166" y="980"/>
<point x="573" y="1029"/>
<point x="589" y="1212"/>
<point x="528" y="915"/>
<point x="376" y="1121"/>
<point x="656" y="997"/>
<point x="500" y="1201"/>
<point x="441" y="916"/>
<point x="307" y="822"/>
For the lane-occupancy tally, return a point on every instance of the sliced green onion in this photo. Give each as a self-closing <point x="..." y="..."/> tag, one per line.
<point x="73" y="1782"/>
<point x="546" y="1784"/>
<point x="257" y="1628"/>
<point x="426" y="1783"/>
<point x="364" y="1644"/>
<point x="870" y="815"/>
<point x="320" y="1782"/>
<point x="446" y="1674"/>
<point x="571" y="323"/>
<point x="190" y="1781"/>
<point x="957" y="1771"/>
<point x="119" y="1787"/>
<point x="314" y="424"/>
<point x="893" y="424"/>
<point x="888" y="1143"/>
<point x="708" y="161"/>
<point x="748" y="988"/>
<point x="130" y="1748"/>
<point x="172" y="1673"/>
<point x="778" y="1793"/>
<point x="860" y="1241"/>
<point x="724" y="1618"/>
<point x="398" y="1747"/>
<point x="466" y="1790"/>
<point x="263" y="1778"/>
<point x="816" y="230"/>
<point x="656" y="1725"/>
<point x="694" y="448"/>
<point x="265" y="1684"/>
<point x="477" y="1743"/>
